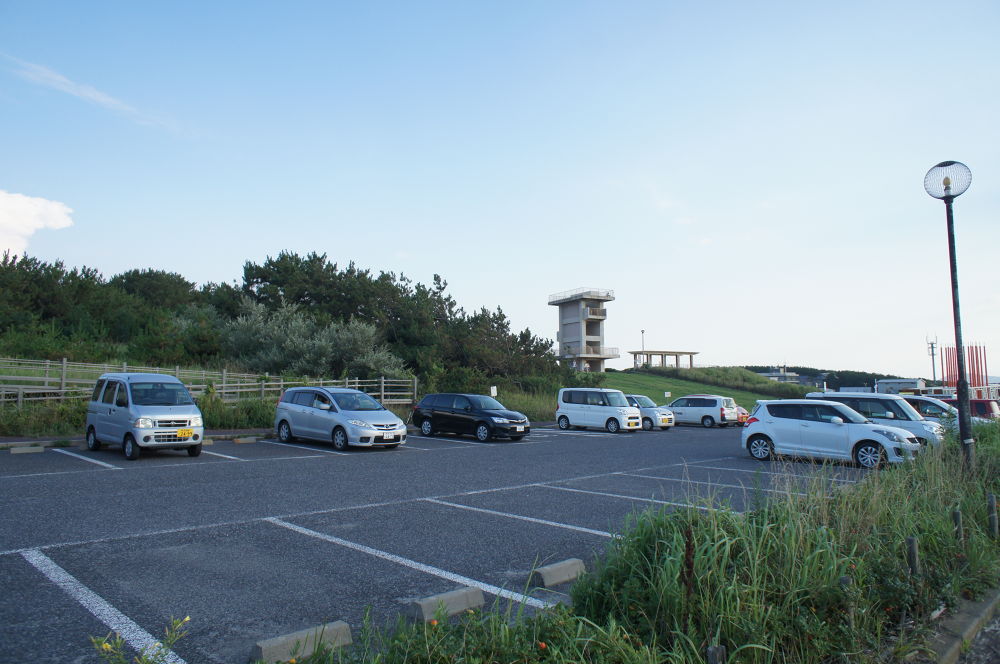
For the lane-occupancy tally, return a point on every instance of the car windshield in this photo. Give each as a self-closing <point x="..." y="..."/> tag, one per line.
<point x="909" y="412"/>
<point x="160" y="394"/>
<point x="644" y="401"/>
<point x="356" y="401"/>
<point x="485" y="403"/>
<point x="850" y="415"/>
<point x="616" y="399"/>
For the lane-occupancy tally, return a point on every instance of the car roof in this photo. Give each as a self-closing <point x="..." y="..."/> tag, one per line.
<point x="135" y="377"/>
<point x="877" y="395"/>
<point x="331" y="390"/>
<point x="804" y="402"/>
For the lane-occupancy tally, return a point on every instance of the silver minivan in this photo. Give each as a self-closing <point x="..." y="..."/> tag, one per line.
<point x="137" y="410"/>
<point x="887" y="409"/>
<point x="338" y="415"/>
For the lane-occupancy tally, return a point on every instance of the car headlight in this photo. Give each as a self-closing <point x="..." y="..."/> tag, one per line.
<point x="500" y="420"/>
<point x="144" y="423"/>
<point x="933" y="427"/>
<point x="196" y="421"/>
<point x="891" y="435"/>
<point x="359" y="423"/>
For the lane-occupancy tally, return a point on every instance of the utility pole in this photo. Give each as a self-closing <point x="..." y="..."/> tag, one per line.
<point x="932" y="351"/>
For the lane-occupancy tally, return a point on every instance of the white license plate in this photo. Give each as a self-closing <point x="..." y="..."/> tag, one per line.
<point x="387" y="436"/>
<point x="518" y="428"/>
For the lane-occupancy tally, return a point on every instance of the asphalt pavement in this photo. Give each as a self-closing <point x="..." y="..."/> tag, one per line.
<point x="262" y="539"/>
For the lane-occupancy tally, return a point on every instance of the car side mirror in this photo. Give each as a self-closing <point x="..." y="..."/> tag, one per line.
<point x="324" y="406"/>
<point x="468" y="408"/>
<point x="836" y="420"/>
<point x="890" y="415"/>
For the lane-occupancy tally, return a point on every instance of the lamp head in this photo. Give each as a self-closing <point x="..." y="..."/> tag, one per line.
<point x="948" y="179"/>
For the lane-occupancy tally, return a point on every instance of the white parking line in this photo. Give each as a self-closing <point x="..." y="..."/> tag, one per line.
<point x="448" y="439"/>
<point x="420" y="567"/>
<point x="686" y="480"/>
<point x="520" y="517"/>
<point x="618" y="495"/>
<point x="80" y="456"/>
<point x="116" y="621"/>
<point x="767" y="472"/>
<point x="224" y="456"/>
<point x="302" y="447"/>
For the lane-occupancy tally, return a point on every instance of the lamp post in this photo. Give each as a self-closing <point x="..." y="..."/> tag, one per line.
<point x="946" y="181"/>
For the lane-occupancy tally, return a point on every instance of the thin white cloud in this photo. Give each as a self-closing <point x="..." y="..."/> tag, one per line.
<point x="49" y="78"/>
<point x="21" y="216"/>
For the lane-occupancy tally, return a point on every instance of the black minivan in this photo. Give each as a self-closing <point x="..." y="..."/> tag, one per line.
<point x="482" y="416"/>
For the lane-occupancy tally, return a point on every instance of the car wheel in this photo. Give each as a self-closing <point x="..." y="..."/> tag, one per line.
<point x="707" y="422"/>
<point x="760" y="447"/>
<point x="516" y="438"/>
<point x="647" y="424"/>
<point x="483" y="433"/>
<point x="131" y="448"/>
<point x="92" y="443"/>
<point x="194" y="450"/>
<point x="563" y="422"/>
<point x="612" y="425"/>
<point x="869" y="455"/>
<point x="425" y="428"/>
<point x="340" y="439"/>
<point x="285" y="432"/>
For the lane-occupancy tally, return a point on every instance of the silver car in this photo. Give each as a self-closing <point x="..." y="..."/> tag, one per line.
<point x="341" y="416"/>
<point x="652" y="415"/>
<point x="138" y="410"/>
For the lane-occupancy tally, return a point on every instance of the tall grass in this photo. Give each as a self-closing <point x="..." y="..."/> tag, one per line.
<point x="55" y="418"/>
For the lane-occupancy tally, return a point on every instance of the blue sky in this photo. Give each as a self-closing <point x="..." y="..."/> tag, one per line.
<point x="746" y="176"/>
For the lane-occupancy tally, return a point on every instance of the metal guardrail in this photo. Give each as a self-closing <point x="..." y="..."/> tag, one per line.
<point x="594" y="292"/>
<point x="26" y="381"/>
<point x="576" y="350"/>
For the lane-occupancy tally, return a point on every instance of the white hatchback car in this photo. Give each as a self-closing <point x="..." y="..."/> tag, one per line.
<point x="652" y="415"/>
<point x="824" y="429"/>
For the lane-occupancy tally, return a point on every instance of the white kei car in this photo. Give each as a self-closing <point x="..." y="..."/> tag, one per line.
<point x="824" y="429"/>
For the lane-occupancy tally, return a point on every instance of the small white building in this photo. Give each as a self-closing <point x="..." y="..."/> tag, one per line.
<point x="897" y="385"/>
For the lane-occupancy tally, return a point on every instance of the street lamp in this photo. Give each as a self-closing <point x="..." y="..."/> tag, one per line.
<point x="946" y="181"/>
<point x="643" y="340"/>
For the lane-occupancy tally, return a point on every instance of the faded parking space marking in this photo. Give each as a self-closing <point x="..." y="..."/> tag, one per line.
<point x="412" y="564"/>
<point x="303" y="447"/>
<point x="699" y="464"/>
<point x="116" y="621"/>
<point x="224" y="456"/>
<point x="686" y="480"/>
<point x="520" y="517"/>
<point x="87" y="459"/>
<point x="617" y="495"/>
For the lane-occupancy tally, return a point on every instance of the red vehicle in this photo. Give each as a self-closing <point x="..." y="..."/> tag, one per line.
<point x="742" y="415"/>
<point x="985" y="408"/>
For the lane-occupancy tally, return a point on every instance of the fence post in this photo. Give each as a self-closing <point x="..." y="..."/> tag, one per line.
<point x="47" y="364"/>
<point x="991" y="504"/>
<point x="177" y="371"/>
<point x="845" y="583"/>
<point x="62" y="376"/>
<point x="223" y="391"/>
<point x="267" y="377"/>
<point x="413" y="397"/>
<point x="381" y="389"/>
<point x="716" y="654"/>
<point x="20" y="397"/>
<point x="913" y="555"/>
<point x="956" y="516"/>
<point x="124" y="367"/>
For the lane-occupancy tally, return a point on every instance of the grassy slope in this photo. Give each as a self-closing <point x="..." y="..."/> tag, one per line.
<point x="654" y="387"/>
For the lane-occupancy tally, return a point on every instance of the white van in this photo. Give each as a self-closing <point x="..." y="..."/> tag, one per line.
<point x="596" y="407"/>
<point x="137" y="410"/>
<point x="887" y="409"/>
<point x="707" y="410"/>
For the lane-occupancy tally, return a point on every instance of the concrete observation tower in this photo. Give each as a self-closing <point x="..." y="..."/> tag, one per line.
<point x="580" y="339"/>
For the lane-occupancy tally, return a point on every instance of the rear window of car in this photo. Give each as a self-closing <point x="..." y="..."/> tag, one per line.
<point x="431" y="401"/>
<point x="109" y="392"/>
<point x="574" y="396"/>
<point x="729" y="403"/>
<point x="788" y="411"/>
<point x="303" y="398"/>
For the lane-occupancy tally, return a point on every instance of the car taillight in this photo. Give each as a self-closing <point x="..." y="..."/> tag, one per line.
<point x="751" y="421"/>
<point x="722" y="414"/>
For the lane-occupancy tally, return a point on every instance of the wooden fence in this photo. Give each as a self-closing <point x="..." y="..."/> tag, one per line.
<point x="27" y="381"/>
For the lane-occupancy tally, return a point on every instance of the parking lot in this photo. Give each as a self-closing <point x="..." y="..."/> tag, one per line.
<point x="258" y="540"/>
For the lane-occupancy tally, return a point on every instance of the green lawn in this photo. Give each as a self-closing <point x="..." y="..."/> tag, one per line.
<point x="654" y="387"/>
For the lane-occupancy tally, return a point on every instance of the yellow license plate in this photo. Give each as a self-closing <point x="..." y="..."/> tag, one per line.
<point x="185" y="433"/>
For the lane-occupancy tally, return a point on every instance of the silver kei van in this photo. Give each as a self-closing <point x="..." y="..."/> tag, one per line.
<point x="137" y="410"/>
